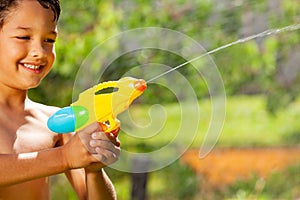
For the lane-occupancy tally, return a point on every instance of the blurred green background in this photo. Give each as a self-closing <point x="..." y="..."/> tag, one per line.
<point x="260" y="77"/>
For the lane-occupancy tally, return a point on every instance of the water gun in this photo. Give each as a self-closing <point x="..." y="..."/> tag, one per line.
<point x="101" y="103"/>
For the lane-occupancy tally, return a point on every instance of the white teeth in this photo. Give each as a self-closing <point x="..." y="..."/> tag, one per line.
<point x="32" y="66"/>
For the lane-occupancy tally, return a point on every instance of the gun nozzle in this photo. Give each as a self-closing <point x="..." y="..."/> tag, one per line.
<point x="140" y="85"/>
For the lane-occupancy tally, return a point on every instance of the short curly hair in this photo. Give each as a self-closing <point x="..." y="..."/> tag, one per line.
<point x="7" y="5"/>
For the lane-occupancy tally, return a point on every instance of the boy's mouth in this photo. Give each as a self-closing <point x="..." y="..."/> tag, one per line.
<point x="31" y="66"/>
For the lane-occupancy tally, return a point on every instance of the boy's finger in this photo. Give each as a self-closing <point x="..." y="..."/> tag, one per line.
<point x="106" y="136"/>
<point x="113" y="139"/>
<point x="91" y="128"/>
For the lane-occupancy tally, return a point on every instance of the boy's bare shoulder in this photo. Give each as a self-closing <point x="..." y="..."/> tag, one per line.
<point x="43" y="112"/>
<point x="45" y="109"/>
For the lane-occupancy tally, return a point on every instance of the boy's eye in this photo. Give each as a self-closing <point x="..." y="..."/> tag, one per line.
<point x="50" y="40"/>
<point x="23" y="37"/>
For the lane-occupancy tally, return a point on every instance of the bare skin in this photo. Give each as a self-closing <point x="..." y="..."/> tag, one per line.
<point x="29" y="152"/>
<point x="18" y="131"/>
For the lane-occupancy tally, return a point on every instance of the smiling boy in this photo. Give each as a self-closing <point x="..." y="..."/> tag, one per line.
<point x="29" y="152"/>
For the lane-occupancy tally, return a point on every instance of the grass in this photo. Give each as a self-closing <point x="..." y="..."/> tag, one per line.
<point x="274" y="187"/>
<point x="247" y="123"/>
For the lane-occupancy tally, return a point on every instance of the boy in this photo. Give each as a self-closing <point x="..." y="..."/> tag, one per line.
<point x="29" y="152"/>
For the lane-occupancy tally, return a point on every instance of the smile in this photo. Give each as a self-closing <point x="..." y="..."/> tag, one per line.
<point x="31" y="66"/>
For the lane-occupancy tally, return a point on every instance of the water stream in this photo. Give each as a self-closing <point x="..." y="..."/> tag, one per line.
<point x="239" y="41"/>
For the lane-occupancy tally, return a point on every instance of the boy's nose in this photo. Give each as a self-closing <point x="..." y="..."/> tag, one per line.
<point x="37" y="50"/>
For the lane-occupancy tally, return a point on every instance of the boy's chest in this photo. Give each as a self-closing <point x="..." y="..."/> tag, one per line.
<point x="30" y="135"/>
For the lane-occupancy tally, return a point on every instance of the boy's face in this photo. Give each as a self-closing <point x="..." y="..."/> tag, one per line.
<point x="27" y="45"/>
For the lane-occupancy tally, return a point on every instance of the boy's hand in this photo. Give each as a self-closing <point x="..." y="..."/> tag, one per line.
<point x="106" y="150"/>
<point x="91" y="148"/>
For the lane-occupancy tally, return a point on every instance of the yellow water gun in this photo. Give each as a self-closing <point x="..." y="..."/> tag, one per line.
<point x="101" y="103"/>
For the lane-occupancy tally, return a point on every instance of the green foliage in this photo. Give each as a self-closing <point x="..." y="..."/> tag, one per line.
<point x="183" y="184"/>
<point x="61" y="189"/>
<point x="247" y="68"/>
<point x="275" y="186"/>
<point x="54" y="90"/>
<point x="253" y="67"/>
<point x="177" y="180"/>
<point x="247" y="124"/>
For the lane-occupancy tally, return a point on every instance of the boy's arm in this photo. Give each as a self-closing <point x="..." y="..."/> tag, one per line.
<point x="17" y="168"/>
<point x="99" y="186"/>
<point x="92" y="182"/>
<point x="91" y="185"/>
<point x="21" y="167"/>
<point x="77" y="179"/>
